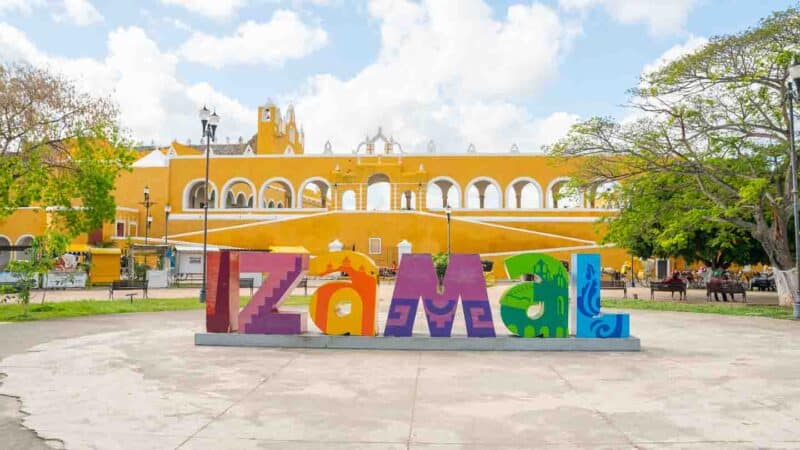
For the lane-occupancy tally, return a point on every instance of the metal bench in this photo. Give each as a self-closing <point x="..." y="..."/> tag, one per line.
<point x="615" y="285"/>
<point x="128" y="285"/>
<point x="190" y="278"/>
<point x="727" y="288"/>
<point x="672" y="288"/>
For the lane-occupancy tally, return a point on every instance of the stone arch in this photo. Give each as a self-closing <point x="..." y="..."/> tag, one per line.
<point x="595" y="198"/>
<point x="441" y="191"/>
<point x="5" y="255"/>
<point x="379" y="192"/>
<point x="482" y="184"/>
<point x="349" y="202"/>
<point x="515" y="198"/>
<point x="234" y="199"/>
<point x="279" y="205"/>
<point x="271" y="204"/>
<point x="553" y="198"/>
<point x="408" y="200"/>
<point x="277" y="184"/>
<point x="194" y="194"/>
<point x="323" y="187"/>
<point x="22" y="255"/>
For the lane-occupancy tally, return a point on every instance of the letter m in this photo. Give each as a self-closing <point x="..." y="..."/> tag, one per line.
<point x="416" y="279"/>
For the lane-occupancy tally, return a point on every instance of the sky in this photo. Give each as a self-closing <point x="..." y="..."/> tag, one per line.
<point x="455" y="72"/>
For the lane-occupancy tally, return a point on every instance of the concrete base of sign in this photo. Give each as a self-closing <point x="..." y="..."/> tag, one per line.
<point x="458" y="343"/>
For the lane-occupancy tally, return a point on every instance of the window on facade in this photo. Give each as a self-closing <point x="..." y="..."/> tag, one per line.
<point x="375" y="246"/>
<point x="120" y="229"/>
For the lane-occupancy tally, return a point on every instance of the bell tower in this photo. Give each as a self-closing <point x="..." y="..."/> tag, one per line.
<point x="276" y="134"/>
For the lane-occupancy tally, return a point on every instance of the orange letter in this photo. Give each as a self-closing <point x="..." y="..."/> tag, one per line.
<point x="326" y="304"/>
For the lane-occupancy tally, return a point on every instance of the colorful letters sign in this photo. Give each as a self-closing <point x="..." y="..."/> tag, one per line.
<point x="416" y="278"/>
<point x="281" y="274"/>
<point x="546" y="287"/>
<point x="222" y="287"/>
<point x="326" y="306"/>
<point x="549" y="289"/>
<point x="590" y="322"/>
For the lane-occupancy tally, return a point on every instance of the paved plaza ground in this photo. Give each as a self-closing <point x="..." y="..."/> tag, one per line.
<point x="137" y="381"/>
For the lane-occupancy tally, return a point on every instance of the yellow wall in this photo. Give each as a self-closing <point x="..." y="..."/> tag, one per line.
<point x="495" y="233"/>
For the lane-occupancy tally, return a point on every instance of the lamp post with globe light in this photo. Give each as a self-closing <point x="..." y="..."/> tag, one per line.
<point x="209" y="121"/>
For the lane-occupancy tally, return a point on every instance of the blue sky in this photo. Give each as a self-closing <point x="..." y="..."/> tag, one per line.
<point x="492" y="73"/>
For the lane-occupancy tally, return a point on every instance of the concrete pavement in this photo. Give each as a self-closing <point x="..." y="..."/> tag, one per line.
<point x="137" y="381"/>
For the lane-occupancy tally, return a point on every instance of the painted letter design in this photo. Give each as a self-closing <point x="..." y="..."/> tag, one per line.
<point x="282" y="272"/>
<point x="416" y="278"/>
<point x="326" y="304"/>
<point x="222" y="286"/>
<point x="549" y="289"/>
<point x="590" y="322"/>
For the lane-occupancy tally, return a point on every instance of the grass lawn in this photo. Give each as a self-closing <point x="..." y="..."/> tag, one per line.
<point x="15" y="312"/>
<point x="729" y="309"/>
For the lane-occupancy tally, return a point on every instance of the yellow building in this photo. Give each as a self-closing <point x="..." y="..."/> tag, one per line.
<point x="269" y="192"/>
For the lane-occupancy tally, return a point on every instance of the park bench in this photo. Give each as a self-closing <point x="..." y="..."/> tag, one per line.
<point x="615" y="285"/>
<point x="729" y="288"/>
<point x="190" y="278"/>
<point x="763" y="284"/>
<point x="672" y="288"/>
<point x="128" y="285"/>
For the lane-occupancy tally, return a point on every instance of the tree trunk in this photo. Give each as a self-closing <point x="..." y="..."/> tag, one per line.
<point x="776" y="246"/>
<point x="786" y="285"/>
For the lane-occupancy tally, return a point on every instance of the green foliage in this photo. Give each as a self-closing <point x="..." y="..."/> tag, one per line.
<point x="140" y="271"/>
<point x="665" y="215"/>
<point x="709" y="149"/>
<point x="41" y="258"/>
<point x="58" y="148"/>
<point x="440" y="261"/>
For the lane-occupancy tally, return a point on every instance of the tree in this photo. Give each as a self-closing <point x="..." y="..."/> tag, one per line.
<point x="58" y="148"/>
<point x="29" y="273"/>
<point x="719" y="118"/>
<point x="665" y="216"/>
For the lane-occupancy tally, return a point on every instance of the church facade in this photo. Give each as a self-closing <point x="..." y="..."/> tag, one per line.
<point x="268" y="192"/>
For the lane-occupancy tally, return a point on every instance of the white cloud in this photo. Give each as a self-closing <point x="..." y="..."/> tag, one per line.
<point x="217" y="9"/>
<point x="454" y="75"/>
<point x="661" y="16"/>
<point x="154" y="103"/>
<point x="284" y="37"/>
<point x="79" y="12"/>
<point x="692" y="43"/>
<point x="22" y="6"/>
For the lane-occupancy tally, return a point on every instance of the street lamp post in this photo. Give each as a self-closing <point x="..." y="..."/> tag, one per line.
<point x="209" y="121"/>
<point x="448" y="211"/>
<point x="792" y="93"/>
<point x="167" y="210"/>
<point x="148" y="220"/>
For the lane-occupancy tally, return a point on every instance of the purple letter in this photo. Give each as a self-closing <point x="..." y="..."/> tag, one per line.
<point x="416" y="278"/>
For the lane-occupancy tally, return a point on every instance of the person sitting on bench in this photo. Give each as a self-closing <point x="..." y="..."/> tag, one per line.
<point x="675" y="278"/>
<point x="715" y="285"/>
